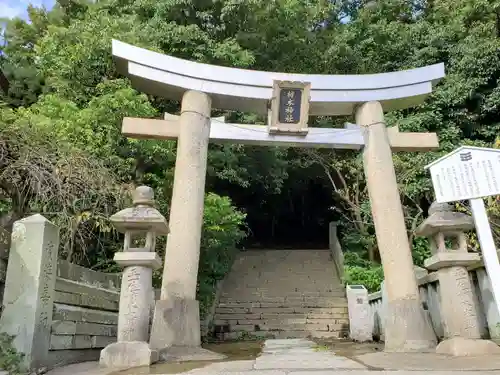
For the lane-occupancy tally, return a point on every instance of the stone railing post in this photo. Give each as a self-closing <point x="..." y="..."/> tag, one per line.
<point x="459" y="315"/>
<point x="336" y="249"/>
<point x="491" y="312"/>
<point x="143" y="220"/>
<point x="360" y="317"/>
<point x="30" y="288"/>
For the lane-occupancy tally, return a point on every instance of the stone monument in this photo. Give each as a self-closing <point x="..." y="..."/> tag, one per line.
<point x="29" y="288"/>
<point x="143" y="223"/>
<point x="445" y="229"/>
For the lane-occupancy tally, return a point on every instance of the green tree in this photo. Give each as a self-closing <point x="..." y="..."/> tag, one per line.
<point x="64" y="79"/>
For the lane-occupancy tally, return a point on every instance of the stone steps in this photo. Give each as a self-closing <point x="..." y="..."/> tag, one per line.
<point x="266" y="301"/>
<point x="285" y="327"/>
<point x="279" y="319"/>
<point x="274" y="324"/>
<point x="282" y="294"/>
<point x="247" y="292"/>
<point x="289" y="334"/>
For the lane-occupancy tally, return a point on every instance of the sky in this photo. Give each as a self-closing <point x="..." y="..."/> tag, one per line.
<point x="17" y="8"/>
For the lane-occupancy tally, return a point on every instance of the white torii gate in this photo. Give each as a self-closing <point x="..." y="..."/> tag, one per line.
<point x="203" y="86"/>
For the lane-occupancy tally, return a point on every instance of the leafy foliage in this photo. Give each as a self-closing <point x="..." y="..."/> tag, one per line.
<point x="39" y="174"/>
<point x="223" y="229"/>
<point x="358" y="271"/>
<point x="10" y="360"/>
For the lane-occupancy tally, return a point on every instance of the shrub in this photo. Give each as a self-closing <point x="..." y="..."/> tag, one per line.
<point x="369" y="277"/>
<point x="362" y="272"/>
<point x="223" y="229"/>
<point x="10" y="360"/>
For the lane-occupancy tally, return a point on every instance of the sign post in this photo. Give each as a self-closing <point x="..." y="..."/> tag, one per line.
<point x="472" y="173"/>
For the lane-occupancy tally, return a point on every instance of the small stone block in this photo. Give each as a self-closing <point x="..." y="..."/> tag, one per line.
<point x="462" y="347"/>
<point x="138" y="258"/>
<point x="61" y="342"/>
<point x="450" y="259"/>
<point x="61" y="327"/>
<point x="127" y="355"/>
<point x="82" y="342"/>
<point x="102" y="341"/>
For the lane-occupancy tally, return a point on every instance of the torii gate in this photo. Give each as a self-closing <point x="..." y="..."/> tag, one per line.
<point x="201" y="87"/>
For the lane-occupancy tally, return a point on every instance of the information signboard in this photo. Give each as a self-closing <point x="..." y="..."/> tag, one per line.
<point x="466" y="173"/>
<point x="472" y="173"/>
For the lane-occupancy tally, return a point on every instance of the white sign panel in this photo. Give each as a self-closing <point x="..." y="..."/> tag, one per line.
<point x="466" y="173"/>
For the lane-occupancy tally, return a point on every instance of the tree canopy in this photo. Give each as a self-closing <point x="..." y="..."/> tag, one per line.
<point x="62" y="154"/>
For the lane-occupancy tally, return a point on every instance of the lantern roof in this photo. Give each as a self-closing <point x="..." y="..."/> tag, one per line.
<point x="443" y="218"/>
<point x="143" y="216"/>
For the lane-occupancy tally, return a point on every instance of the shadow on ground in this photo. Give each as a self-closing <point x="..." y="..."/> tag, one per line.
<point x="348" y="348"/>
<point x="235" y="351"/>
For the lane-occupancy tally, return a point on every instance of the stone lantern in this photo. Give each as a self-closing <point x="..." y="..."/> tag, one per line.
<point x="445" y="228"/>
<point x="140" y="224"/>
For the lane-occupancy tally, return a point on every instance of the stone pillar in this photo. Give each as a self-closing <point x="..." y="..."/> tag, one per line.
<point x="186" y="211"/>
<point x="458" y="310"/>
<point x="135" y="301"/>
<point x="406" y="328"/>
<point x="176" y="320"/>
<point x="132" y="348"/>
<point x="30" y="288"/>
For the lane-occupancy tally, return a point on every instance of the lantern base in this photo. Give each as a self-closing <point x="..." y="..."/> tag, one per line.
<point x="465" y="347"/>
<point x="128" y="354"/>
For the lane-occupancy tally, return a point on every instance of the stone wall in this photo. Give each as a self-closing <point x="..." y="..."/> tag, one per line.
<point x="85" y="313"/>
<point x="59" y="312"/>
<point x="486" y="310"/>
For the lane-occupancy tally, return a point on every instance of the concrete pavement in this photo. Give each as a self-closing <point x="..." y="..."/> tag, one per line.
<point x="304" y="357"/>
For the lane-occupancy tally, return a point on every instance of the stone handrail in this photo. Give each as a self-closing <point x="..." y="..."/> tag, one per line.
<point x="429" y="289"/>
<point x="336" y="249"/>
<point x="208" y="319"/>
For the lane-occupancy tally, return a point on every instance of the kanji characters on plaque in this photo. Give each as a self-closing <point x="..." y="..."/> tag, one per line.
<point x="289" y="108"/>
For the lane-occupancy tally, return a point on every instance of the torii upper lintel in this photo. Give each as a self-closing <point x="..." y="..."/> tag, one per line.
<point x="250" y="90"/>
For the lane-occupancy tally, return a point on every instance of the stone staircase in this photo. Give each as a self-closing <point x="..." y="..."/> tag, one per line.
<point x="282" y="294"/>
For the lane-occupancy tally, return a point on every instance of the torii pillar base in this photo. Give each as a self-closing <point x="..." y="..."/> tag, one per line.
<point x="176" y="331"/>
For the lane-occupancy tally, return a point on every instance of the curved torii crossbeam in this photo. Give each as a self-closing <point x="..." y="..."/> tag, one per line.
<point x="250" y="90"/>
<point x="176" y="320"/>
